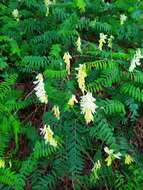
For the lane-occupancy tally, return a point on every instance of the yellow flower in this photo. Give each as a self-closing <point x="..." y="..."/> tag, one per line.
<point x="123" y="18"/>
<point x="67" y="58"/>
<point x="109" y="160"/>
<point x="56" y="111"/>
<point x="128" y="159"/>
<point x="102" y="41"/>
<point x="78" y="44"/>
<point x="88" y="107"/>
<point x="48" y="135"/>
<point x="72" y="100"/>
<point x="15" y="14"/>
<point x="110" y="40"/>
<point x="111" y="156"/>
<point x="47" y="3"/>
<point x="53" y="142"/>
<point x="88" y="116"/>
<point x="2" y="163"/>
<point x="81" y="75"/>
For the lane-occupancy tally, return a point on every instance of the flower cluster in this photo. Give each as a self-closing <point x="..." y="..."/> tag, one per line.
<point x="40" y="90"/>
<point x="81" y="75"/>
<point x="56" y="112"/>
<point x="102" y="41"/>
<point x="67" y="58"/>
<point x="123" y="18"/>
<point x="88" y="107"/>
<point x="128" y="159"/>
<point x="136" y="60"/>
<point x="47" y="3"/>
<point x="78" y="44"/>
<point x="72" y="100"/>
<point x="110" y="41"/>
<point x="48" y="135"/>
<point x="15" y="14"/>
<point x="111" y="156"/>
<point x="2" y="163"/>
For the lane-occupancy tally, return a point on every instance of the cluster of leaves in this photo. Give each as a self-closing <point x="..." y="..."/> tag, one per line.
<point x="34" y="42"/>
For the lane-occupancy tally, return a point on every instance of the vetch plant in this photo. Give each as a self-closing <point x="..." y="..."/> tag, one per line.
<point x="48" y="135"/>
<point x="102" y="40"/>
<point x="82" y="126"/>
<point x="81" y="75"/>
<point x="111" y="156"/>
<point x="88" y="107"/>
<point x="40" y="90"/>
<point x="136" y="60"/>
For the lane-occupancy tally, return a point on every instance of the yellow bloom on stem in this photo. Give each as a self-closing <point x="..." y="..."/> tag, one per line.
<point x="47" y="3"/>
<point x="88" y="116"/>
<point x="72" y="100"/>
<point x="110" y="41"/>
<point x="111" y="156"/>
<point x="56" y="112"/>
<point x="128" y="159"/>
<point x="102" y="41"/>
<point x="67" y="58"/>
<point x="48" y="135"/>
<point x="15" y="14"/>
<point x="2" y="163"/>
<point x="123" y="18"/>
<point x="81" y="75"/>
<point x="88" y="107"/>
<point x="109" y="160"/>
<point x="78" y="44"/>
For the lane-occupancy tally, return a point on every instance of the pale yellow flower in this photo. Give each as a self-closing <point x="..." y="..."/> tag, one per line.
<point x="102" y="40"/>
<point x="78" y="44"/>
<point x="109" y="160"/>
<point x="15" y="14"/>
<point x="111" y="156"/>
<point x="88" y="107"/>
<point x="56" y="112"/>
<point x="47" y="3"/>
<point x="123" y="18"/>
<point x="2" y="163"/>
<point x="40" y="90"/>
<point x="110" y="41"/>
<point x="72" y="100"/>
<point x="81" y="75"/>
<point x="48" y="135"/>
<point x="128" y="159"/>
<point x="67" y="58"/>
<point x="136" y="60"/>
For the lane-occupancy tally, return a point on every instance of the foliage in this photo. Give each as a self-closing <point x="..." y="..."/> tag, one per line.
<point x="34" y="36"/>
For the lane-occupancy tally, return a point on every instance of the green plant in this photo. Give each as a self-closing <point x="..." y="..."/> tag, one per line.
<point x="75" y="51"/>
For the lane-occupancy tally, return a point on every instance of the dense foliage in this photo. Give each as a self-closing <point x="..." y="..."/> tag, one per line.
<point x="70" y="52"/>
